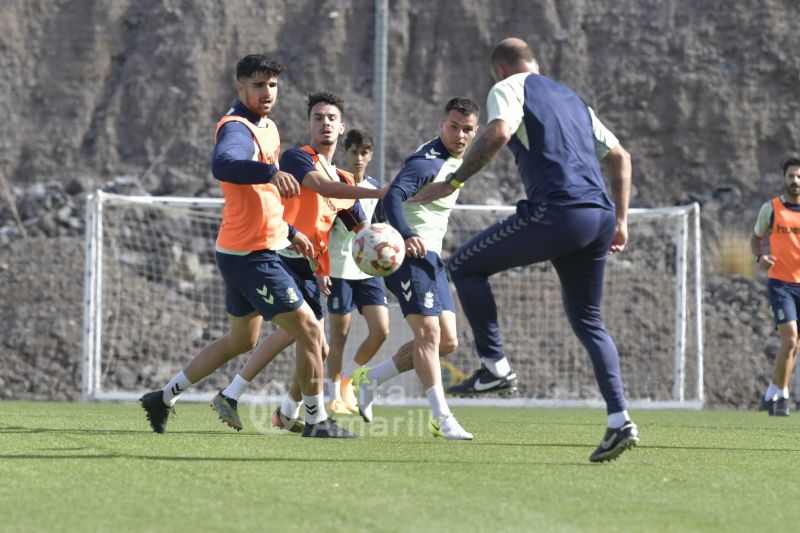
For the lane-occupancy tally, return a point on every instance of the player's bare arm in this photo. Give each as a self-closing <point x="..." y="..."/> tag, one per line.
<point x="323" y="185"/>
<point x="618" y="161"/>
<point x="765" y="261"/>
<point x="484" y="149"/>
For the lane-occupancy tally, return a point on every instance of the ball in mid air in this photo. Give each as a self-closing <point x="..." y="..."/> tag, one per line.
<point x="379" y="249"/>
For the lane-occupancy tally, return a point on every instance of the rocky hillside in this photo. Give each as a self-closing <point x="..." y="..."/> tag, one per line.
<point x="124" y="94"/>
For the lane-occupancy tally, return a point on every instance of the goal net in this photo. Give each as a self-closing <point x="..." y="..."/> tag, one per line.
<point x="154" y="298"/>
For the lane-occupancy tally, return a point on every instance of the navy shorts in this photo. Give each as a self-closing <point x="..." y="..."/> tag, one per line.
<point x="259" y="282"/>
<point x="300" y="270"/>
<point x="421" y="287"/>
<point x="349" y="293"/>
<point x="784" y="299"/>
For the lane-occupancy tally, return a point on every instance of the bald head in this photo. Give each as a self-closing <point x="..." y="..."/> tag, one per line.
<point x="512" y="56"/>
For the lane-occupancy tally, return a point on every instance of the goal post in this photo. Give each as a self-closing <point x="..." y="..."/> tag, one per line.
<point x="154" y="298"/>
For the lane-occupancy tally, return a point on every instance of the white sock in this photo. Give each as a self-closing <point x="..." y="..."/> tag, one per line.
<point x="236" y="388"/>
<point x="618" y="419"/>
<point x="176" y="385"/>
<point x="499" y="368"/>
<point x="335" y="390"/>
<point x="315" y="409"/>
<point x="436" y="399"/>
<point x="350" y="368"/>
<point x="290" y="408"/>
<point x="772" y="392"/>
<point x="383" y="372"/>
<point x="784" y="393"/>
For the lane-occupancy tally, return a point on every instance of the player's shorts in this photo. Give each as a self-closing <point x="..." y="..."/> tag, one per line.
<point x="300" y="270"/>
<point x="421" y="287"/>
<point x="259" y="282"/>
<point x="349" y="293"/>
<point x="784" y="299"/>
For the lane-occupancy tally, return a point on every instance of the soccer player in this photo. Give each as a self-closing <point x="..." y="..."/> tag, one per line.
<point x="348" y="287"/>
<point x="313" y="212"/>
<point x="257" y="283"/>
<point x="779" y="220"/>
<point x="420" y="284"/>
<point x="567" y="218"/>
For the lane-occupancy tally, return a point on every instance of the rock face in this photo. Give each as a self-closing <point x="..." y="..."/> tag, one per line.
<point x="124" y="95"/>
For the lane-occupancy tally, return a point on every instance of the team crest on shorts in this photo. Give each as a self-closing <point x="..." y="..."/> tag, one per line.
<point x="781" y="315"/>
<point x="428" y="303"/>
<point x="291" y="295"/>
<point x="335" y="302"/>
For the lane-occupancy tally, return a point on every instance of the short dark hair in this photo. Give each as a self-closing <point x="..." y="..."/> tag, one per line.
<point x="791" y="161"/>
<point x="327" y="98"/>
<point x="463" y="105"/>
<point x="511" y="51"/>
<point x="250" y="64"/>
<point x="356" y="137"/>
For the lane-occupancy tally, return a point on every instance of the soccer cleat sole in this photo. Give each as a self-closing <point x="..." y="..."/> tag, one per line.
<point x="227" y="421"/>
<point x="614" y="453"/>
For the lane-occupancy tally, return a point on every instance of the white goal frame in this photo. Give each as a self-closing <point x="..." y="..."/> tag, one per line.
<point x="687" y="301"/>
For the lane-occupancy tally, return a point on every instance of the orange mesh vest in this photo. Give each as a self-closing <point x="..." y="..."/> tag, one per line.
<point x="314" y="214"/>
<point x="784" y="243"/>
<point x="252" y="218"/>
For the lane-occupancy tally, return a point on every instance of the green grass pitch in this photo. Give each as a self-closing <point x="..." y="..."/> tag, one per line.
<point x="97" y="467"/>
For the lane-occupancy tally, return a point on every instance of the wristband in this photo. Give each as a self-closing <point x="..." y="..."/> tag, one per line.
<point x="454" y="183"/>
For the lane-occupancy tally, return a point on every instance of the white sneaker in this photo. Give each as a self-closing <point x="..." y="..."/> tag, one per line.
<point x="448" y="427"/>
<point x="365" y="393"/>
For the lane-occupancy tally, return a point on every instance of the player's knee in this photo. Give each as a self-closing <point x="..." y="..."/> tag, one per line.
<point x="310" y="330"/>
<point x="429" y="335"/>
<point x="379" y="335"/>
<point x="448" y="346"/>
<point x="339" y="331"/>
<point x="243" y="342"/>
<point x="325" y="348"/>
<point x="791" y="342"/>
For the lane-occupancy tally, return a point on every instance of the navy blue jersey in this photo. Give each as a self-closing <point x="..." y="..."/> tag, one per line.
<point x="560" y="166"/>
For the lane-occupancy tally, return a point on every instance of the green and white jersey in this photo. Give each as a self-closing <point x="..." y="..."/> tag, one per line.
<point x="340" y="247"/>
<point x="431" y="163"/>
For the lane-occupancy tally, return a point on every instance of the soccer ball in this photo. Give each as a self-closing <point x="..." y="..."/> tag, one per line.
<point x="379" y="250"/>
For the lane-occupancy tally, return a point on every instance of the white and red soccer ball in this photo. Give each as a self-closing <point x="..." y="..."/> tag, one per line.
<point x="379" y="249"/>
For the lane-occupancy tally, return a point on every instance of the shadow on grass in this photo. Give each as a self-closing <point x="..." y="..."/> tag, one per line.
<point x="24" y="430"/>
<point x="304" y="460"/>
